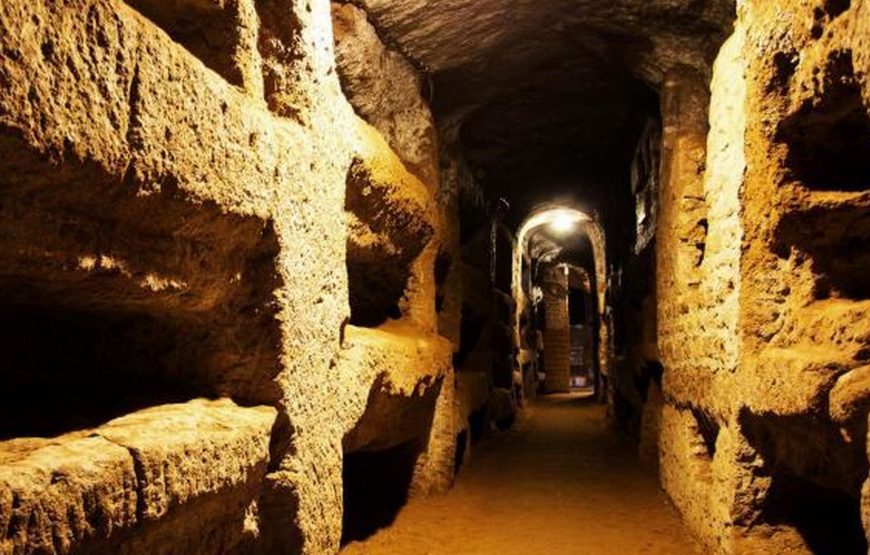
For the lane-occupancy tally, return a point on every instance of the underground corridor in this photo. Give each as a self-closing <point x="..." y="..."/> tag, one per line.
<point x="482" y="277"/>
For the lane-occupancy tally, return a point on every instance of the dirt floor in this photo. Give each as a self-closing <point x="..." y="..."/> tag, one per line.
<point x="559" y="482"/>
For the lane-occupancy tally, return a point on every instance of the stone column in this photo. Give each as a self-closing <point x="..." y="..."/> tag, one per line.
<point x="557" y="336"/>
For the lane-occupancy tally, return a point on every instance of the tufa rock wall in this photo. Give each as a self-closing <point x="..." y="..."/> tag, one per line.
<point x="762" y="304"/>
<point x="191" y="208"/>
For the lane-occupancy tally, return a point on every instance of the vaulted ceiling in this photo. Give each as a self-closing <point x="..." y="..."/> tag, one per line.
<point x="548" y="96"/>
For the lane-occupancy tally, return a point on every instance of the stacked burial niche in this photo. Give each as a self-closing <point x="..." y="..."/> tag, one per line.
<point x="389" y="227"/>
<point x="175" y="234"/>
<point x="398" y="444"/>
<point x="818" y="227"/>
<point x="137" y="317"/>
<point x="764" y="446"/>
<point x="116" y="325"/>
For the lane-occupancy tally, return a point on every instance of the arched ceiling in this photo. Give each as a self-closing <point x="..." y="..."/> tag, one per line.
<point x="549" y="95"/>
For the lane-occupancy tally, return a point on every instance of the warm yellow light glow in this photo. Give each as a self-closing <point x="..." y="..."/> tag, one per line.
<point x="563" y="222"/>
<point x="558" y="219"/>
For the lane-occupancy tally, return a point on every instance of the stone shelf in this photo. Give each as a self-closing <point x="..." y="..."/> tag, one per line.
<point x="86" y="490"/>
<point x="396" y="373"/>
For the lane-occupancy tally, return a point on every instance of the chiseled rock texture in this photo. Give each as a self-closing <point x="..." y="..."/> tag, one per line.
<point x="184" y="473"/>
<point x="385" y="89"/>
<point x="554" y="92"/>
<point x="232" y="274"/>
<point x="763" y="331"/>
<point x="191" y="207"/>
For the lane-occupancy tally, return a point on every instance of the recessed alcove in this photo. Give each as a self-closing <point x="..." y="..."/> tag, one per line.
<point x="386" y="233"/>
<point x="376" y="485"/>
<point x="828" y="137"/>
<point x="67" y="369"/>
<point x="212" y="31"/>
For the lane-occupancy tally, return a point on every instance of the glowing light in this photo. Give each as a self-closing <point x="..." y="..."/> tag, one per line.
<point x="563" y="222"/>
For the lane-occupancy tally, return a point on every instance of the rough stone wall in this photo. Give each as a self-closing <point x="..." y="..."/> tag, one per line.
<point x="385" y="89"/>
<point x="804" y="312"/>
<point x="697" y="279"/>
<point x="138" y="481"/>
<point x="761" y="304"/>
<point x="698" y="259"/>
<point x="192" y="173"/>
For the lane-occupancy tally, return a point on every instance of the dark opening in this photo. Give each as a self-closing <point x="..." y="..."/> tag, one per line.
<point x="828" y="519"/>
<point x="651" y="372"/>
<point x="471" y="327"/>
<point x="477" y="424"/>
<point x="209" y="32"/>
<point x="829" y="140"/>
<point x="709" y="430"/>
<point x="374" y="296"/>
<point x="442" y="270"/>
<point x="784" y="65"/>
<point x="504" y="250"/>
<point x="386" y="233"/>
<point x="815" y="476"/>
<point x="67" y="369"/>
<point x="576" y="307"/>
<point x="837" y="7"/>
<point x="836" y="241"/>
<point x="375" y="488"/>
<point x="461" y="444"/>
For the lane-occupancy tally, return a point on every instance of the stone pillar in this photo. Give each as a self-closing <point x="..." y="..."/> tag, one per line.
<point x="697" y="253"/>
<point x="557" y="336"/>
<point x="434" y="470"/>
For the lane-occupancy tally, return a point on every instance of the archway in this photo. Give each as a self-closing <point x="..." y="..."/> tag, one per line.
<point x="541" y="241"/>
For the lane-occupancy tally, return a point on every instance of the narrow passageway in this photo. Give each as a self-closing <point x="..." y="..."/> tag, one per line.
<point x="559" y="482"/>
<point x="271" y="269"/>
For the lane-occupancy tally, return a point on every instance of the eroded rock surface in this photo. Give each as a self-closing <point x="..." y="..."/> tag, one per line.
<point x="174" y="226"/>
<point x="90" y="489"/>
<point x="253" y="201"/>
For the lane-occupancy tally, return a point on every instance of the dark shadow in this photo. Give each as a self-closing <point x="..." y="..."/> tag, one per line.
<point x="828" y="140"/>
<point x="375" y="488"/>
<point x="709" y="430"/>
<point x="815" y="480"/>
<point x="477" y="424"/>
<point x="827" y="519"/>
<point x="840" y="257"/>
<point x="471" y="327"/>
<point x="461" y="443"/>
<point x="208" y="32"/>
<point x="112" y="300"/>
<point x="443" y="263"/>
<point x="66" y="370"/>
<point x="380" y="453"/>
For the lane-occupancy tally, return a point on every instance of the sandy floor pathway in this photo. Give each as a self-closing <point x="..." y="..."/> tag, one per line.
<point x="560" y="482"/>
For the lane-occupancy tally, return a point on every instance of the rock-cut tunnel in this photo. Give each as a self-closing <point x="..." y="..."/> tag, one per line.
<point x="447" y="277"/>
